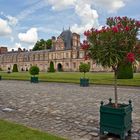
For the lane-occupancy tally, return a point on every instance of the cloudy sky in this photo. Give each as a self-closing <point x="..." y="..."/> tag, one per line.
<point x="23" y="22"/>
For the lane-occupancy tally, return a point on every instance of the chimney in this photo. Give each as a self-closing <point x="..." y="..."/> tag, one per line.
<point x="19" y="50"/>
<point x="3" y="50"/>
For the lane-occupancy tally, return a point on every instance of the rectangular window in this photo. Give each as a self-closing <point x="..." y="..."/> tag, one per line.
<point x="54" y="56"/>
<point x="61" y="55"/>
<point x="75" y="55"/>
<point x="74" y="65"/>
<point x="67" y="65"/>
<point x="81" y="54"/>
<point x="67" y="55"/>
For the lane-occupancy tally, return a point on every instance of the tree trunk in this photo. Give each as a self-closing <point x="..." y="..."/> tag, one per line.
<point x="84" y="75"/>
<point x="115" y="88"/>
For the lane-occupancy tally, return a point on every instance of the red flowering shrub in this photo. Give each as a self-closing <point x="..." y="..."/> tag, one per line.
<point x="85" y="45"/>
<point x="130" y="57"/>
<point x="114" y="43"/>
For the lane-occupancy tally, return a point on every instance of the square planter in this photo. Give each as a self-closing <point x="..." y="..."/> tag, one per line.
<point x="34" y="79"/>
<point x="0" y="77"/>
<point x="84" y="82"/>
<point x="116" y="120"/>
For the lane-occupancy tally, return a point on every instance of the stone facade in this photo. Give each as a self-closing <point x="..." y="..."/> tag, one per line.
<point x="65" y="53"/>
<point x="3" y="50"/>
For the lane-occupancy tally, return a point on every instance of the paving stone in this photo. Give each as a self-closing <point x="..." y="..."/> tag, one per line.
<point x="8" y="109"/>
<point x="82" y="133"/>
<point x="64" y="109"/>
<point x="87" y="137"/>
<point x="95" y="134"/>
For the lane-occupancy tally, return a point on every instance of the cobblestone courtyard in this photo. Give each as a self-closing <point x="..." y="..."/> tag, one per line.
<point x="67" y="110"/>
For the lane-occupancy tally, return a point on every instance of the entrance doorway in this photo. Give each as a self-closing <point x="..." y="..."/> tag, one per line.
<point x="59" y="67"/>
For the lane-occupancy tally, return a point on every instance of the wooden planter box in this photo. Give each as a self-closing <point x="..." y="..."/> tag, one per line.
<point x="34" y="79"/>
<point x="84" y="82"/>
<point x="116" y="120"/>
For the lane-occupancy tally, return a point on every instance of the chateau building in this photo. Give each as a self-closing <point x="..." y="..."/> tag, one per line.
<point x="65" y="53"/>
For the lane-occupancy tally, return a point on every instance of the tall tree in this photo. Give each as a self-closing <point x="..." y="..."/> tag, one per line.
<point x="51" y="68"/>
<point x="48" y="44"/>
<point x="42" y="45"/>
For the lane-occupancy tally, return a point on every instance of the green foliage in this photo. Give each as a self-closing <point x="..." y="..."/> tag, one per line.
<point x="49" y="43"/>
<point x="0" y="69"/>
<point x="34" y="70"/>
<point x="15" y="68"/>
<point x="84" y="68"/>
<point x="42" y="45"/>
<point x="51" y="68"/>
<point x="12" y="131"/>
<point x="125" y="71"/>
<point x="111" y="45"/>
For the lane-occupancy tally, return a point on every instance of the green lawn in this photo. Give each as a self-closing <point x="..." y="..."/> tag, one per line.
<point x="73" y="77"/>
<point x="12" y="131"/>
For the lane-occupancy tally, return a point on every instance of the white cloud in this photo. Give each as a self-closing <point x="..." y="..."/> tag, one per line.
<point x="12" y="20"/>
<point x="86" y="13"/>
<point x="31" y="36"/>
<point x="84" y="9"/>
<point x="30" y="10"/>
<point x="80" y="29"/>
<point x="111" y="6"/>
<point x="15" y="46"/>
<point x="60" y="4"/>
<point x="88" y="16"/>
<point x="30" y="47"/>
<point x="4" y="28"/>
<point x="18" y="45"/>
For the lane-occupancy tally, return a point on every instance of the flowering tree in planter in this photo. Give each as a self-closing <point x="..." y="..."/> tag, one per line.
<point x="113" y="44"/>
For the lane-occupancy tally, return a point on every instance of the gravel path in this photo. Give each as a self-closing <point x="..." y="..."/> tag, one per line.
<point x="67" y="110"/>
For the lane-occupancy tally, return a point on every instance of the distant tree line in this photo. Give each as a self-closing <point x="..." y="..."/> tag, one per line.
<point x="42" y="45"/>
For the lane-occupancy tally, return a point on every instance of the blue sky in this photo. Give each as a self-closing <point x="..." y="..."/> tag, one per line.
<point x="22" y="23"/>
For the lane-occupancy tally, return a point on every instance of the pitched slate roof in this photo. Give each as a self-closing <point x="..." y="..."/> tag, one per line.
<point x="67" y="37"/>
